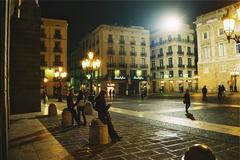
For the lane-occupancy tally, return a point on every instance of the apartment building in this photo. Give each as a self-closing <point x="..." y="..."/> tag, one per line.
<point x="216" y="57"/>
<point x="53" y="53"/>
<point x="125" y="56"/>
<point x="173" y="60"/>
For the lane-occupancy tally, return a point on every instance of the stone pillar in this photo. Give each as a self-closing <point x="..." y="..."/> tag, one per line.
<point x="25" y="59"/>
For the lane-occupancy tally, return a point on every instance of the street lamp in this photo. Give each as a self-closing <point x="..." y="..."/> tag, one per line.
<point x="60" y="75"/>
<point x="196" y="77"/>
<point x="235" y="73"/>
<point x="90" y="64"/>
<point x="229" y="25"/>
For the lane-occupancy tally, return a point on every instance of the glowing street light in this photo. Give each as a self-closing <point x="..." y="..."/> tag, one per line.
<point x="90" y="64"/>
<point x="59" y="75"/>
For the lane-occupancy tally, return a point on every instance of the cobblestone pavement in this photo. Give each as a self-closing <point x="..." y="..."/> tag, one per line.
<point x="141" y="140"/>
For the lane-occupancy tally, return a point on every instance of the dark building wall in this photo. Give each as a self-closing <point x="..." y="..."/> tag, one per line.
<point x="25" y="59"/>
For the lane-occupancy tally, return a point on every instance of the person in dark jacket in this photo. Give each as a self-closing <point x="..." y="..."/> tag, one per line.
<point x="80" y="103"/>
<point x="204" y="92"/>
<point x="186" y="100"/>
<point x="104" y="115"/>
<point x="71" y="105"/>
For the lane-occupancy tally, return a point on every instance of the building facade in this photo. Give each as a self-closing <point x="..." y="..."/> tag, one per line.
<point x="124" y="55"/>
<point x="53" y="53"/>
<point x="216" y="57"/>
<point x="173" y="60"/>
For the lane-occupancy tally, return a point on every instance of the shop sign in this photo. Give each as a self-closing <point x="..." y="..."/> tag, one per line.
<point x="138" y="77"/>
<point x="119" y="77"/>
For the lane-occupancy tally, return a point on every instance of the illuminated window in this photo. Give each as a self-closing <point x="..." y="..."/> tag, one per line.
<point x="221" y="49"/>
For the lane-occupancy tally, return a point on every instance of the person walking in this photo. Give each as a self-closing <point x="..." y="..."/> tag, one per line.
<point x="113" y="93"/>
<point x="80" y="103"/>
<point x="71" y="108"/>
<point x="219" y="92"/>
<point x="204" y="92"/>
<point x="110" y="93"/>
<point x="104" y="115"/>
<point x="223" y="90"/>
<point x="186" y="100"/>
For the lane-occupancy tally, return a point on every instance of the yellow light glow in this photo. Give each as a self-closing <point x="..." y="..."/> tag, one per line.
<point x="228" y="25"/>
<point x="60" y="69"/>
<point x="139" y="73"/>
<point x="238" y="13"/>
<point x="117" y="72"/>
<point x="98" y="63"/>
<point x="56" y="74"/>
<point x="64" y="74"/>
<point x="45" y="80"/>
<point x="90" y="55"/>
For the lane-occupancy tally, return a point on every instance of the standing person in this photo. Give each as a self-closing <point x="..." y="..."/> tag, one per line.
<point x="70" y="106"/>
<point x="110" y="93"/>
<point x="104" y="115"/>
<point x="204" y="92"/>
<point x="219" y="92"/>
<point x="113" y="93"/>
<point x="223" y="89"/>
<point x="80" y="103"/>
<point x="186" y="100"/>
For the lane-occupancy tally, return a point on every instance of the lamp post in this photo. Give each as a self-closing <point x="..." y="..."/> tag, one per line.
<point x="234" y="74"/>
<point x="90" y="64"/>
<point x="196" y="77"/>
<point x="60" y="75"/>
<point x="229" y="25"/>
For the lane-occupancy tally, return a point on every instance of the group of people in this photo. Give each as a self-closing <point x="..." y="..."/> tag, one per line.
<point x="99" y="105"/>
<point x="221" y="90"/>
<point x="111" y="93"/>
<point x="80" y="103"/>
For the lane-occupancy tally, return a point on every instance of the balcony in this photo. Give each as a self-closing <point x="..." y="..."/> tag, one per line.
<point x="181" y="65"/>
<point x="170" y="66"/>
<point x="43" y="63"/>
<point x="191" y="66"/>
<point x="111" y="52"/>
<point x="121" y="41"/>
<point x="57" y="63"/>
<point x="111" y="64"/>
<point x="180" y="52"/>
<point x="133" y="53"/>
<point x="190" y="54"/>
<point x="143" y="66"/>
<point x="144" y="54"/>
<point x="57" y="36"/>
<point x="110" y="40"/>
<point x="133" y="43"/>
<point x="143" y="43"/>
<point x="153" y="68"/>
<point x="169" y="53"/>
<point x="57" y="50"/>
<point x="122" y="53"/>
<point x="134" y="65"/>
<point x="161" y="67"/>
<point x="122" y="65"/>
<point x="152" y="56"/>
<point x="160" y="55"/>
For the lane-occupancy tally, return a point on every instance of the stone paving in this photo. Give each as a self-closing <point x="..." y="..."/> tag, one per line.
<point x="140" y="141"/>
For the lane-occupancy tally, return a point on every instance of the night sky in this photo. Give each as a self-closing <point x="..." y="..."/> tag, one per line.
<point x="84" y="16"/>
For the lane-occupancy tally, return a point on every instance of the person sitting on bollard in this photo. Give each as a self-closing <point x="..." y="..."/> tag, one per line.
<point x="104" y="115"/>
<point x="70" y="106"/>
<point x="186" y="100"/>
<point x="80" y="103"/>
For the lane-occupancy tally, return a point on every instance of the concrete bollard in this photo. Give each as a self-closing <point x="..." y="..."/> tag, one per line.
<point x="199" y="152"/>
<point x="98" y="132"/>
<point x="67" y="120"/>
<point x="52" y="109"/>
<point x="88" y="108"/>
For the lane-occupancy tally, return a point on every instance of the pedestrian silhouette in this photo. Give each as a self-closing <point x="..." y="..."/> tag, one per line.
<point x="110" y="93"/>
<point x="80" y="103"/>
<point x="204" y="92"/>
<point x="186" y="100"/>
<point x="104" y="115"/>
<point x="71" y="105"/>
<point x="219" y="92"/>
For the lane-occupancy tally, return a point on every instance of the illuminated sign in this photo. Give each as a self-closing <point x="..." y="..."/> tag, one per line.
<point x="119" y="77"/>
<point x="138" y="77"/>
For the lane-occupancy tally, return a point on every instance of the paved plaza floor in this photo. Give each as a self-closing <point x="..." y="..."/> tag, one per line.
<point x="149" y="130"/>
